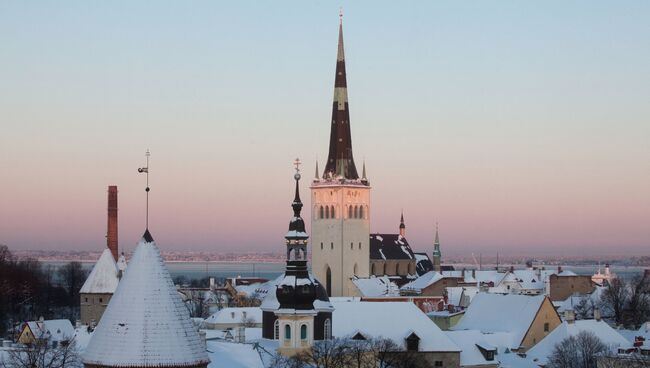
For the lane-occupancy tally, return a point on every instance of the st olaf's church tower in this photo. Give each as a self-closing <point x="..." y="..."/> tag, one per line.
<point x="340" y="201"/>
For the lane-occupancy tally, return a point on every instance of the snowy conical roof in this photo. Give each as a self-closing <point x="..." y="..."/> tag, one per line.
<point x="103" y="278"/>
<point x="146" y="323"/>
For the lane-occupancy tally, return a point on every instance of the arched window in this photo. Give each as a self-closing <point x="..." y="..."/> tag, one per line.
<point x="332" y="212"/>
<point x="328" y="281"/>
<point x="303" y="332"/>
<point x="321" y="246"/>
<point x="276" y="330"/>
<point x="327" y="212"/>
<point x="355" y="269"/>
<point x="287" y="332"/>
<point x="332" y="246"/>
<point x="359" y="245"/>
<point x="327" y="327"/>
<point x="322" y="212"/>
<point x="361" y="212"/>
<point x="350" y="212"/>
<point x="351" y="246"/>
<point x="356" y="211"/>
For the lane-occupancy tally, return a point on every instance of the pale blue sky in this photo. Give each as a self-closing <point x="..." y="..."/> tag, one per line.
<point x="515" y="124"/>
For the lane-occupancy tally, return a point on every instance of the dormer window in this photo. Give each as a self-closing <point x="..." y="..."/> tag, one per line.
<point x="487" y="351"/>
<point x="412" y="342"/>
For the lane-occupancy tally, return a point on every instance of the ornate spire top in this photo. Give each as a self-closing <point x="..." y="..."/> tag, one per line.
<point x="436" y="242"/>
<point x="340" y="162"/>
<point x="401" y="221"/>
<point x="297" y="225"/>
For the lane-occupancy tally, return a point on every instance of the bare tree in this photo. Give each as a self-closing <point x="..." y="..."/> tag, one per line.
<point x="584" y="309"/>
<point x="43" y="354"/>
<point x="580" y="351"/>
<point x="615" y="298"/>
<point x="639" y="301"/>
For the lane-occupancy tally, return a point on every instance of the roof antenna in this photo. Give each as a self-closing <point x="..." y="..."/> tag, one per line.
<point x="146" y="171"/>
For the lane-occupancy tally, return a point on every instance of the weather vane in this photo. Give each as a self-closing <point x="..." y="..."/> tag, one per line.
<point x="146" y="171"/>
<point x="297" y="164"/>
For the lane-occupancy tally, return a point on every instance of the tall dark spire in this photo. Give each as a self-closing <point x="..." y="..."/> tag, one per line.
<point x="340" y="162"/>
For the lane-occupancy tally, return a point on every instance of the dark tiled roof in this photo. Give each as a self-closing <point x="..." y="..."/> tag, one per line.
<point x="423" y="264"/>
<point x="389" y="246"/>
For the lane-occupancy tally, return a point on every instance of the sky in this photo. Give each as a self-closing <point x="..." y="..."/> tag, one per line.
<point x="518" y="126"/>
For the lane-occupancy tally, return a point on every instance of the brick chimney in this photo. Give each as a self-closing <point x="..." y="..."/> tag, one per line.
<point x="111" y="232"/>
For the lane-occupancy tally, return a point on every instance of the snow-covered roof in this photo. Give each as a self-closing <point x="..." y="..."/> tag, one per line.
<point x="510" y="313"/>
<point x="470" y="354"/>
<point x="423" y="281"/>
<point x="53" y="329"/>
<point x="146" y="323"/>
<point x="392" y="320"/>
<point x="376" y="286"/>
<point x="103" y="278"/>
<point x="422" y="263"/>
<point x="389" y="246"/>
<point x="270" y="301"/>
<point x="236" y="315"/>
<point x="542" y="350"/>
<point x="121" y="263"/>
<point x="233" y="355"/>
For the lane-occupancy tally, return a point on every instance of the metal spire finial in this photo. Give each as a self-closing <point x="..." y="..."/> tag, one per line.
<point x="341" y="15"/>
<point x="146" y="171"/>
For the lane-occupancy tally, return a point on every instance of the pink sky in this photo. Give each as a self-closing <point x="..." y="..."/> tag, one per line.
<point x="532" y="137"/>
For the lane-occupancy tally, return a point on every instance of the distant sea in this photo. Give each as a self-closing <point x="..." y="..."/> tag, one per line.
<point x="221" y="270"/>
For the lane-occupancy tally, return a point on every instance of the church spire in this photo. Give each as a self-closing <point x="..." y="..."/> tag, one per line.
<point x="340" y="162"/>
<point x="402" y="226"/>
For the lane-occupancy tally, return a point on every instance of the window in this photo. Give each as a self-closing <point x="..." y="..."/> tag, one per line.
<point x="356" y="211"/>
<point x="276" y="330"/>
<point x="546" y="327"/>
<point x="303" y="332"/>
<point x="332" y="212"/>
<point x="361" y="212"/>
<point x="327" y="329"/>
<point x="438" y="363"/>
<point x="327" y="212"/>
<point x="101" y="300"/>
<point x="321" y="246"/>
<point x="331" y="245"/>
<point x="86" y="300"/>
<point x="359" y="245"/>
<point x="287" y="332"/>
<point x="350" y="212"/>
<point x="322" y="213"/>
<point x="351" y="246"/>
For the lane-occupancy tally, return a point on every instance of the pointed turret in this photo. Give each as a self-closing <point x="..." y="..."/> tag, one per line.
<point x="146" y="323"/>
<point x="402" y="226"/>
<point x="436" y="251"/>
<point x="316" y="174"/>
<point x="340" y="162"/>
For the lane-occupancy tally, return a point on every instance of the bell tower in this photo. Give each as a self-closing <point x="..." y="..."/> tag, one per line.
<point x="340" y="201"/>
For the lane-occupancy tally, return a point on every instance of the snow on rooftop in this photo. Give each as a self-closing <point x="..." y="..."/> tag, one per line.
<point x="233" y="355"/>
<point x="376" y="286"/>
<point x="510" y="313"/>
<point x="236" y="315"/>
<point x="53" y="329"/>
<point x="542" y="350"/>
<point x="146" y="324"/>
<point x="423" y="281"/>
<point x="103" y="278"/>
<point x="392" y="320"/>
<point x="467" y="340"/>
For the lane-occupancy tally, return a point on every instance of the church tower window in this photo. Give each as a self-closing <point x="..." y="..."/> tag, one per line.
<point x="287" y="332"/>
<point x="327" y="327"/>
<point x="322" y="213"/>
<point x="327" y="212"/>
<point x="276" y="329"/>
<point x="303" y="332"/>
